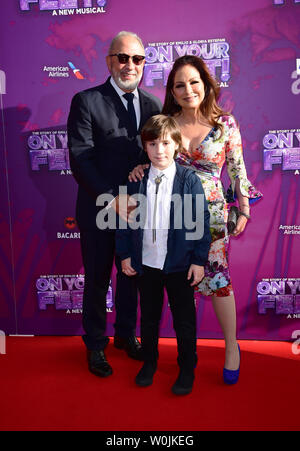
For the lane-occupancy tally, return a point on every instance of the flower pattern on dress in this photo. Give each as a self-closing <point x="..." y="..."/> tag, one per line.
<point x="208" y="160"/>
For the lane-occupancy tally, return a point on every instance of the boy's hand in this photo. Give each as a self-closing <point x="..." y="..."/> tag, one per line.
<point x="137" y="173"/>
<point x="197" y="272"/>
<point x="127" y="268"/>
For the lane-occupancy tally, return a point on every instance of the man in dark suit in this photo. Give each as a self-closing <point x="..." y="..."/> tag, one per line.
<point x="104" y="143"/>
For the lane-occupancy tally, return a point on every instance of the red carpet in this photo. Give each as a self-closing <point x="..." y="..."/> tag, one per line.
<point x="45" y="385"/>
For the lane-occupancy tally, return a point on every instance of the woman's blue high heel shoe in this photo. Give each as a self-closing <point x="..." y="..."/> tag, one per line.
<point x="231" y="377"/>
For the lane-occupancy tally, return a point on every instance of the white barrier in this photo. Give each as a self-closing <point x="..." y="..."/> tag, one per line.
<point x="2" y="82"/>
<point x="2" y="342"/>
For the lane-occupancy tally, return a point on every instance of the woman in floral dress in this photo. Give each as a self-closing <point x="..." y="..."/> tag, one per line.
<point x="210" y="139"/>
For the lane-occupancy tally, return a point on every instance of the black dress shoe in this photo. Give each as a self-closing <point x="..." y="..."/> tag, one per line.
<point x="184" y="383"/>
<point x="131" y="345"/>
<point x="98" y="364"/>
<point x="144" y="377"/>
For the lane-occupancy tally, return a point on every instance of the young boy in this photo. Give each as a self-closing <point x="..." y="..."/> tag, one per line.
<point x="166" y="252"/>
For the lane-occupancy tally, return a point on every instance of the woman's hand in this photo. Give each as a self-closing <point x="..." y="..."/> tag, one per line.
<point x="243" y="207"/>
<point x="137" y="173"/>
<point x="127" y="268"/>
<point x="240" y="225"/>
<point x="197" y="272"/>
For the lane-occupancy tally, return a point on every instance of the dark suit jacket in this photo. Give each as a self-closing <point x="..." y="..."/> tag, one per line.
<point x="103" y="147"/>
<point x="181" y="252"/>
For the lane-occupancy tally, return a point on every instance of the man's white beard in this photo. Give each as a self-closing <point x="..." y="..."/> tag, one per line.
<point x="127" y="85"/>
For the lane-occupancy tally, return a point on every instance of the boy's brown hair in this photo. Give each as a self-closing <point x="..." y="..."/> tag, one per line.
<point x="159" y="126"/>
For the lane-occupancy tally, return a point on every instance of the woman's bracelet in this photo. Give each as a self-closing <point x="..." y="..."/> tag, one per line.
<point x="244" y="214"/>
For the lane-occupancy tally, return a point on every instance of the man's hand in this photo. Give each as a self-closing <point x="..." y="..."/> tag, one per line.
<point x="124" y="205"/>
<point x="197" y="272"/>
<point x="127" y="268"/>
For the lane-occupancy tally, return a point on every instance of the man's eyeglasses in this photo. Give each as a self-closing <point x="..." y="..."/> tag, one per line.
<point x="123" y="58"/>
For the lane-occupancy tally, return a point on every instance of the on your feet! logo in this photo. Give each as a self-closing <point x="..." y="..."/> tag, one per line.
<point x="65" y="7"/>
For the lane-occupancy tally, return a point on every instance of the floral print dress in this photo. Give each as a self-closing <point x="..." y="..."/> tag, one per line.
<point x="207" y="160"/>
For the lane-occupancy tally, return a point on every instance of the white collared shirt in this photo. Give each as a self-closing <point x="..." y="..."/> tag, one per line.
<point x="154" y="254"/>
<point x="136" y="100"/>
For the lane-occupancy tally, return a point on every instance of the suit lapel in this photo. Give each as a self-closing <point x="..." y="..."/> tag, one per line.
<point x="146" y="110"/>
<point x="143" y="183"/>
<point x="112" y="98"/>
<point x="177" y="185"/>
<point x="143" y="191"/>
<point x="177" y="189"/>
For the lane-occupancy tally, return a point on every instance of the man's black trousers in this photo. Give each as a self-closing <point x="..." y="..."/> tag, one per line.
<point x="98" y="252"/>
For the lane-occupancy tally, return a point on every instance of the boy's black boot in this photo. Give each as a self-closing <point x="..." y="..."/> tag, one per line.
<point x="144" y="377"/>
<point x="184" y="382"/>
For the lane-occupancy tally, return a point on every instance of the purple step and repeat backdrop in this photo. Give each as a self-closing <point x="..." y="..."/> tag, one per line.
<point x="50" y="49"/>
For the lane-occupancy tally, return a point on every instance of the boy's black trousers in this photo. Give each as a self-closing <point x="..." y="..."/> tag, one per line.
<point x="181" y="300"/>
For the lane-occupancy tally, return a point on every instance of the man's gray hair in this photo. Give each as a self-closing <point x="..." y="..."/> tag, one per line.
<point x="121" y="35"/>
